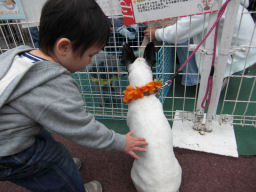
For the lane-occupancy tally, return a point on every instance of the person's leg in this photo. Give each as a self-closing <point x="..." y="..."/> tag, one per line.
<point x="191" y="78"/>
<point x="46" y="166"/>
<point x="34" y="35"/>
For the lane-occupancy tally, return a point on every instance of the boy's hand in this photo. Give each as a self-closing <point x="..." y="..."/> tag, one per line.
<point x="133" y="144"/>
<point x="150" y="31"/>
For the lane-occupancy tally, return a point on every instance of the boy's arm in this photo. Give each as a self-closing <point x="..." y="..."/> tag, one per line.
<point x="57" y="105"/>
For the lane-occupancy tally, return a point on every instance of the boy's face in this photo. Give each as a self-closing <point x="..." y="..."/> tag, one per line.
<point x="75" y="62"/>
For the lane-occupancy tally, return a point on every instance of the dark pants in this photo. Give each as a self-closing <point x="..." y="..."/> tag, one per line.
<point x="191" y="77"/>
<point x="45" y="166"/>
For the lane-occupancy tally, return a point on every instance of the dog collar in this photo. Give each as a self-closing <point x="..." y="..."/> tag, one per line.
<point x="131" y="93"/>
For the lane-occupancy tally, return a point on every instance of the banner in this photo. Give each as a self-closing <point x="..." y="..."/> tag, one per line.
<point x="140" y="11"/>
<point x="11" y="9"/>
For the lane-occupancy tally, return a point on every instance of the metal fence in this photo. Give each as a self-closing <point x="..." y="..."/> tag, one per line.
<point x="103" y="82"/>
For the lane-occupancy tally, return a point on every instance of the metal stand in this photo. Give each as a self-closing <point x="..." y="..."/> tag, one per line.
<point x="221" y="140"/>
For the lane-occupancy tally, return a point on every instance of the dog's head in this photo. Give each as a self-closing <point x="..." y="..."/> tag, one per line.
<point x="139" y="69"/>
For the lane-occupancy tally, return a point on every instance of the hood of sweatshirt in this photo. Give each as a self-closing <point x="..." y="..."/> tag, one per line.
<point x="13" y="73"/>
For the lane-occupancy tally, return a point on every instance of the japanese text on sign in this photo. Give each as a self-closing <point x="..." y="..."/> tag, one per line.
<point x="139" y="11"/>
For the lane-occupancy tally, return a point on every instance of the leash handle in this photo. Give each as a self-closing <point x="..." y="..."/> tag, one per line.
<point x="169" y="82"/>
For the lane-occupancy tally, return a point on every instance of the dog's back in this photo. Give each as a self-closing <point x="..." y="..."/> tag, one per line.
<point x="157" y="170"/>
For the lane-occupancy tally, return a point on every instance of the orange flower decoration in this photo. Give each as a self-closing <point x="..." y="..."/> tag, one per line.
<point x="133" y="94"/>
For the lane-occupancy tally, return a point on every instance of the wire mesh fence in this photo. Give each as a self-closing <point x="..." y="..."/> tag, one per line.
<point x="103" y="82"/>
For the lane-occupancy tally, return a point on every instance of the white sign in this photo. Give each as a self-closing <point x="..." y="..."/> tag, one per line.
<point x="110" y="7"/>
<point x="140" y="11"/>
<point x="32" y="11"/>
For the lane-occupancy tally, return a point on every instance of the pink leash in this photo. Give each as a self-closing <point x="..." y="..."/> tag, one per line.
<point x="210" y="78"/>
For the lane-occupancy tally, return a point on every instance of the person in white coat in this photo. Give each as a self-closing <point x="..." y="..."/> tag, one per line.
<point x="193" y="29"/>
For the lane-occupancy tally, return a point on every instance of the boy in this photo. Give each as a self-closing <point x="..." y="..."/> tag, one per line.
<point x="37" y="94"/>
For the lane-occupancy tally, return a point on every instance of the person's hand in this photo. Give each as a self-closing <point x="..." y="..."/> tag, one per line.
<point x="134" y="144"/>
<point x="150" y="31"/>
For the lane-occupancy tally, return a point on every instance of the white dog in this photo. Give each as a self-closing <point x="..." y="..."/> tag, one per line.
<point x="157" y="170"/>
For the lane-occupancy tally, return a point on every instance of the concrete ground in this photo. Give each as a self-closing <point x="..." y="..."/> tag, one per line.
<point x="202" y="172"/>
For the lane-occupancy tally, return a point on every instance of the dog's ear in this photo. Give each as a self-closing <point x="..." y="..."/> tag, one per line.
<point x="149" y="54"/>
<point x="128" y="56"/>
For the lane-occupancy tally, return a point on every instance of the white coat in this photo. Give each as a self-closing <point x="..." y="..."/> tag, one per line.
<point x="195" y="26"/>
<point x="157" y="170"/>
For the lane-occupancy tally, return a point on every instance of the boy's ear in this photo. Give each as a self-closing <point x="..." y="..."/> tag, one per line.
<point x="128" y="56"/>
<point x="149" y="54"/>
<point x="63" y="46"/>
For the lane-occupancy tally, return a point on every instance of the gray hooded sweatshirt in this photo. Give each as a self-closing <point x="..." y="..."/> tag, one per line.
<point x="43" y="95"/>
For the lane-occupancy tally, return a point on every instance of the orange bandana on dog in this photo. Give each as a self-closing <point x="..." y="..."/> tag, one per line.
<point x="133" y="94"/>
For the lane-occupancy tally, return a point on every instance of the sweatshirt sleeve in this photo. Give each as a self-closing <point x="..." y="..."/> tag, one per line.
<point x="185" y="28"/>
<point x="58" y="106"/>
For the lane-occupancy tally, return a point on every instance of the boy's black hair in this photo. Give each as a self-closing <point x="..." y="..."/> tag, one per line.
<point x="81" y="21"/>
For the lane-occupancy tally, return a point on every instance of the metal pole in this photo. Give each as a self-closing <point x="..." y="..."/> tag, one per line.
<point x="220" y="66"/>
<point x="206" y="67"/>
